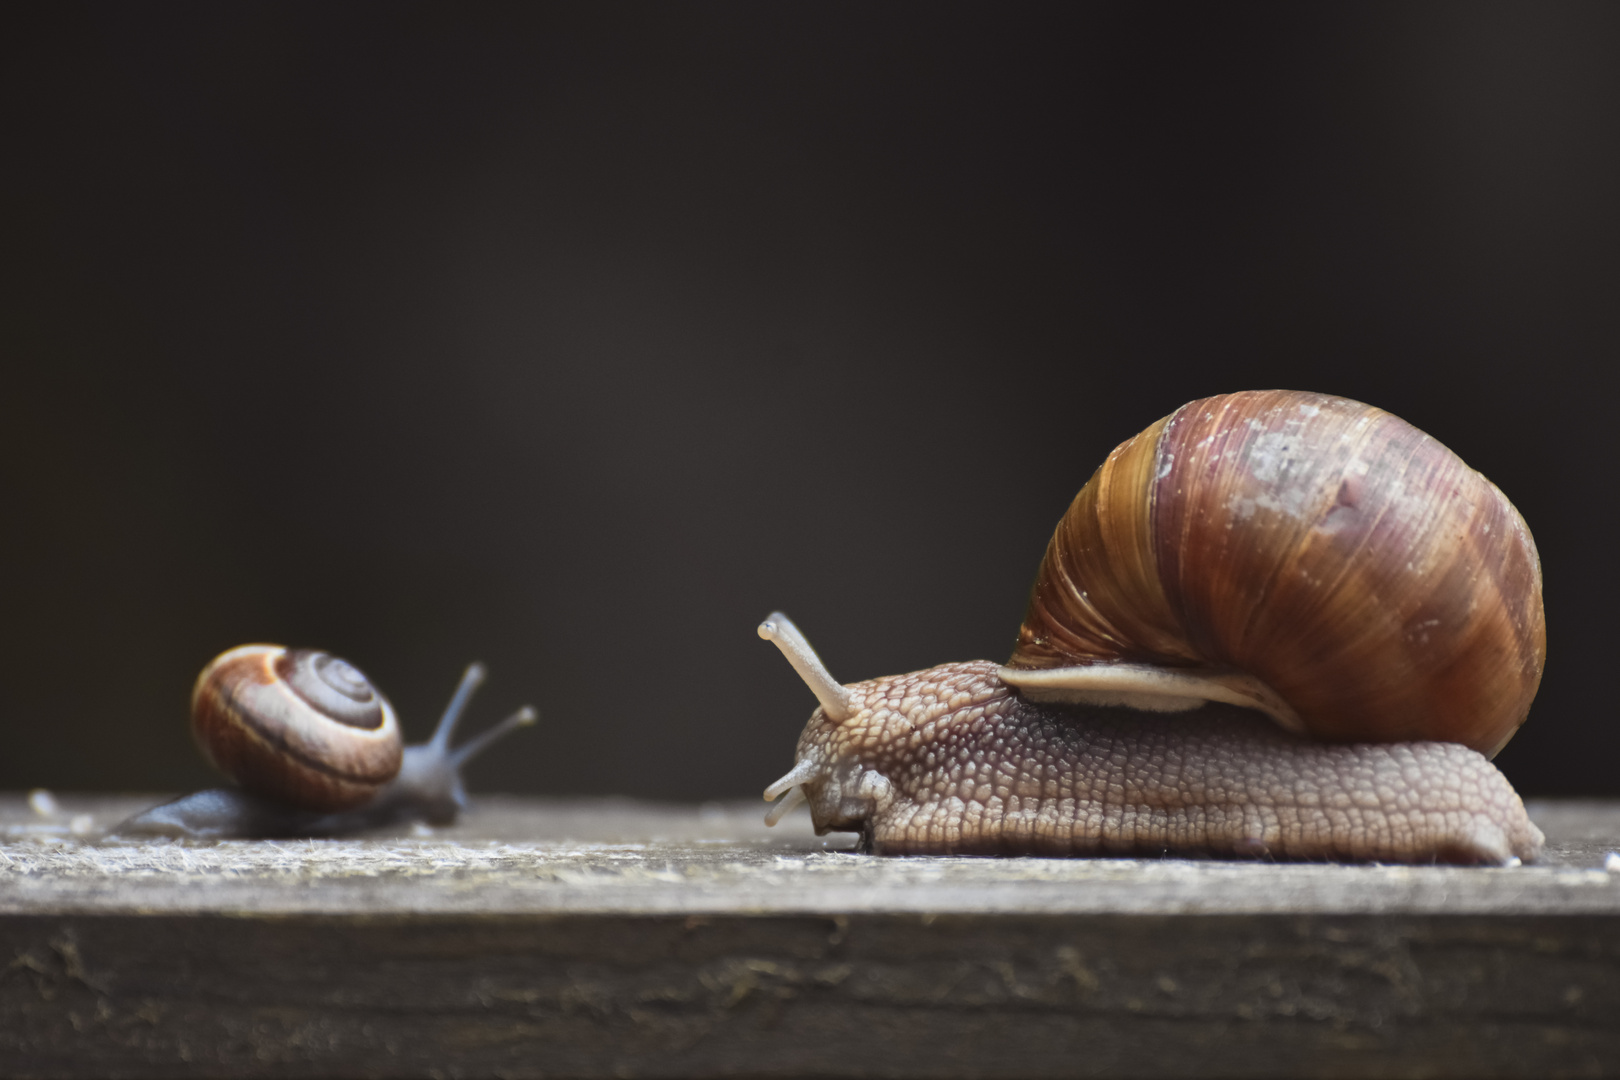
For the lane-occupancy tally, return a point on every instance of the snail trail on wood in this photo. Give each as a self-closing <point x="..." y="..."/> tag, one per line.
<point x="1273" y="624"/>
<point x="317" y="752"/>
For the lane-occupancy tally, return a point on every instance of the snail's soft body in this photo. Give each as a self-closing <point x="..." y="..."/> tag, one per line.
<point x="954" y="761"/>
<point x="316" y="750"/>
<point x="1365" y="610"/>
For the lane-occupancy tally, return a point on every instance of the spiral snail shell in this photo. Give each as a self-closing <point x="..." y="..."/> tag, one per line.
<point x="298" y="726"/>
<point x="1309" y="557"/>
<point x="316" y="749"/>
<point x="1320" y="559"/>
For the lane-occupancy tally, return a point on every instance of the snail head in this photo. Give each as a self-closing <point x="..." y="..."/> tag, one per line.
<point x="844" y="752"/>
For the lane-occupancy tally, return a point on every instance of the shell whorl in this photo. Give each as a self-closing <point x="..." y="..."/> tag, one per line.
<point x="1321" y="548"/>
<point x="298" y="726"/>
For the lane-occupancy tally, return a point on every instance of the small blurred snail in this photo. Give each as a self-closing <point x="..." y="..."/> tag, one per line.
<point x="317" y="751"/>
<point x="1273" y="624"/>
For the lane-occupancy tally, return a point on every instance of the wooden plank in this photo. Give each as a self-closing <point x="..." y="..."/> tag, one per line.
<point x="597" y="938"/>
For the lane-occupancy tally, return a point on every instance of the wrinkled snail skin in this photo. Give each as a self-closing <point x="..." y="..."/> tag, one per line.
<point x="953" y="761"/>
<point x="317" y="750"/>
<point x="1277" y="554"/>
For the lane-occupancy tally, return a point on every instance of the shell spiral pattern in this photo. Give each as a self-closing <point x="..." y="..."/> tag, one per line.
<point x="1346" y="560"/>
<point x="297" y="726"/>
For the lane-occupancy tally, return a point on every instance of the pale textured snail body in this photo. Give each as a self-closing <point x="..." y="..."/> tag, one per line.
<point x="1309" y="557"/>
<point x="316" y="749"/>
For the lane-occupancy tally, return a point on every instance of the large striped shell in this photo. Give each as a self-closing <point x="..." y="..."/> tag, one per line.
<point x="1324" y="559"/>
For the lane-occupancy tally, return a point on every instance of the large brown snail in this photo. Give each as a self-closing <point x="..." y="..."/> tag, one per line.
<point x="316" y="749"/>
<point x="1296" y="555"/>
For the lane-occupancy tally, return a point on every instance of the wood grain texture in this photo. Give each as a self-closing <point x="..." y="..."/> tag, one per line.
<point x="602" y="938"/>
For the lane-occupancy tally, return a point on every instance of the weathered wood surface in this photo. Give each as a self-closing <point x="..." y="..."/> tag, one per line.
<point x="609" y="938"/>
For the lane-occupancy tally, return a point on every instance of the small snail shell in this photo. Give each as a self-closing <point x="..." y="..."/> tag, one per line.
<point x="1313" y="558"/>
<point x="1322" y="560"/>
<point x="298" y="726"/>
<point x="316" y="749"/>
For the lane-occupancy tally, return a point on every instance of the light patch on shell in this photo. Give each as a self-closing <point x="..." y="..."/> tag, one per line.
<point x="1149" y="687"/>
<point x="1270" y="457"/>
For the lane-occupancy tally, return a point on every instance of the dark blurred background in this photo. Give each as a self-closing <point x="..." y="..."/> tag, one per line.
<point x="576" y="338"/>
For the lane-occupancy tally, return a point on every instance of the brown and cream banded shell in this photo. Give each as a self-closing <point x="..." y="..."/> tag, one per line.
<point x="297" y="726"/>
<point x="1321" y="559"/>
